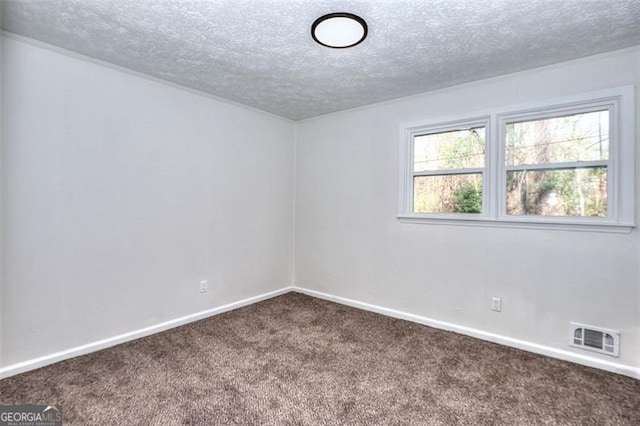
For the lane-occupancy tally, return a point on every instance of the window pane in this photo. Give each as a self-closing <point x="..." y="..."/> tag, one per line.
<point x="448" y="194"/>
<point x="457" y="149"/>
<point x="572" y="138"/>
<point x="568" y="192"/>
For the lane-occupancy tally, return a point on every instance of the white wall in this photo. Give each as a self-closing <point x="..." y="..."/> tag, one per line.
<point x="350" y="244"/>
<point x="122" y="193"/>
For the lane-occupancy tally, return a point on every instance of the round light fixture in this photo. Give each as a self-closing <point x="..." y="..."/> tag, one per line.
<point x="339" y="30"/>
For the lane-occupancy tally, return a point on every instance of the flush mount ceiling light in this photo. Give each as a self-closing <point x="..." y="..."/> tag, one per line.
<point x="339" y="30"/>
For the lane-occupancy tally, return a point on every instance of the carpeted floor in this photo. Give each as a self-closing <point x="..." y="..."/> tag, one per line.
<point x="299" y="360"/>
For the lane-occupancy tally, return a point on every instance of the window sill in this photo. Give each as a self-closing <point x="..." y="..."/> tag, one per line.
<point x="519" y="223"/>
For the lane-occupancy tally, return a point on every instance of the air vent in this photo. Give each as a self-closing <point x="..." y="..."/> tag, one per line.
<point x="595" y="339"/>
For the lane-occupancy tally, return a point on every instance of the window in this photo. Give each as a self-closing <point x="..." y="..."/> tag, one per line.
<point x="566" y="164"/>
<point x="448" y="169"/>
<point x="558" y="166"/>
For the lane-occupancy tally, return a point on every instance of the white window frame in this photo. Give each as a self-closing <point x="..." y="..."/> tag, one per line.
<point x="620" y="164"/>
<point x="421" y="130"/>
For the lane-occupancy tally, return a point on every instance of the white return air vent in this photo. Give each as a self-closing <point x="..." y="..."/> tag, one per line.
<point x="595" y="339"/>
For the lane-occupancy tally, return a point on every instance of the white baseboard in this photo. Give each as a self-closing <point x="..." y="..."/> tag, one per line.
<point x="32" y="364"/>
<point x="587" y="360"/>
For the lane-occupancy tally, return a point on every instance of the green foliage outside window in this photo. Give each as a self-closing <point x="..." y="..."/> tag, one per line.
<point x="467" y="199"/>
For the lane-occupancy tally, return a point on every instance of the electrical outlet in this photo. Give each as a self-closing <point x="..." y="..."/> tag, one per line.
<point x="496" y="304"/>
<point x="204" y="286"/>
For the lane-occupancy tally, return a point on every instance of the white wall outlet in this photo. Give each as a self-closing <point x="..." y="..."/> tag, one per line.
<point x="204" y="286"/>
<point x="496" y="304"/>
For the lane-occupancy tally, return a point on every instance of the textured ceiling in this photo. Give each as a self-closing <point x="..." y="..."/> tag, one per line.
<point x="261" y="54"/>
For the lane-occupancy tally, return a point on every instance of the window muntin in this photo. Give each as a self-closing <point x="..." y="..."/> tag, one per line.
<point x="448" y="170"/>
<point x="557" y="166"/>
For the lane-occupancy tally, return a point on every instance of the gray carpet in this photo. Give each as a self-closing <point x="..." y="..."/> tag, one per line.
<point x="299" y="360"/>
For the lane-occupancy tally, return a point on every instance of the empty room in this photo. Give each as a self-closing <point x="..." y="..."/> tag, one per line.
<point x="295" y="212"/>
